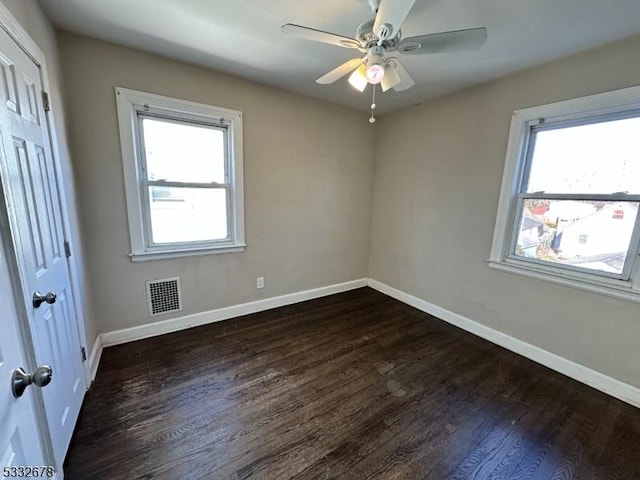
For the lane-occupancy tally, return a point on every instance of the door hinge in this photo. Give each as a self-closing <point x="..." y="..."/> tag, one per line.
<point x="45" y="101"/>
<point x="83" y="351"/>
<point x="67" y="249"/>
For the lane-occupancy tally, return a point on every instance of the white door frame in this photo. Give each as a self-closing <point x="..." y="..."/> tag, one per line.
<point x="15" y="30"/>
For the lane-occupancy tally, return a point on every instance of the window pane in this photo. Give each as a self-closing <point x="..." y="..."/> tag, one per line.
<point x="187" y="214"/>
<point x="183" y="152"/>
<point x="586" y="234"/>
<point x="596" y="158"/>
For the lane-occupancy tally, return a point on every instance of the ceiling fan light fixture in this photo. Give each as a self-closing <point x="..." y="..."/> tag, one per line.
<point x="358" y="79"/>
<point x="375" y="69"/>
<point x="391" y="77"/>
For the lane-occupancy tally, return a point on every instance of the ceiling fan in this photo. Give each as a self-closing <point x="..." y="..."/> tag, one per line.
<point x="380" y="39"/>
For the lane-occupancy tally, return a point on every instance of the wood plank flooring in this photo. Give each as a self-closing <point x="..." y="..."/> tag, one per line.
<point x="352" y="386"/>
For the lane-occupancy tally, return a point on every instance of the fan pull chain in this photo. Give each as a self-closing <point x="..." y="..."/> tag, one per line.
<point x="373" y="105"/>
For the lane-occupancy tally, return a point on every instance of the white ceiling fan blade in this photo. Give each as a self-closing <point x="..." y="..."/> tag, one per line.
<point x="340" y="71"/>
<point x="406" y="82"/>
<point x="319" y="36"/>
<point x="445" y="42"/>
<point x="391" y="13"/>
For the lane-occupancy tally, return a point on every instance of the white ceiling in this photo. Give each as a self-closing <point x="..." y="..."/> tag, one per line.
<point x="243" y="37"/>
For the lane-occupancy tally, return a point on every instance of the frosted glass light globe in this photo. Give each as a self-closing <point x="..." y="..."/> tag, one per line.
<point x="374" y="73"/>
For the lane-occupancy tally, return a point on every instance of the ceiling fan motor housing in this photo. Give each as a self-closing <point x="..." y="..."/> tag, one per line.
<point x="365" y="35"/>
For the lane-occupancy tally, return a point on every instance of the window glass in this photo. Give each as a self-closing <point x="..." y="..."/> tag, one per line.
<point x="598" y="158"/>
<point x="181" y="152"/>
<point x="187" y="214"/>
<point x="593" y="235"/>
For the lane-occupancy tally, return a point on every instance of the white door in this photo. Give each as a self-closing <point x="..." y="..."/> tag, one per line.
<point x="19" y="441"/>
<point x="32" y="197"/>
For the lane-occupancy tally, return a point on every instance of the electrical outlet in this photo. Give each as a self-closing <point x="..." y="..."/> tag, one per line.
<point x="260" y="282"/>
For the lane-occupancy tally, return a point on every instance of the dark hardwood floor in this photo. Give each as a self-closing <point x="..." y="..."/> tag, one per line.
<point x="352" y="386"/>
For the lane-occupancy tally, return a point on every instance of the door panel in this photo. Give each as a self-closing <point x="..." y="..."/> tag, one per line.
<point x="33" y="238"/>
<point x="8" y="84"/>
<point x="38" y="239"/>
<point x="20" y="444"/>
<point x="49" y="191"/>
<point x="32" y="91"/>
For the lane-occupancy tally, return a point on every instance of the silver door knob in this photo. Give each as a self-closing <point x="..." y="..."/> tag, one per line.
<point x="39" y="299"/>
<point x="20" y="380"/>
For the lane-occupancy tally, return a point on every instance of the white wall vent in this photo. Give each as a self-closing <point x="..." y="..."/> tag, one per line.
<point x="164" y="296"/>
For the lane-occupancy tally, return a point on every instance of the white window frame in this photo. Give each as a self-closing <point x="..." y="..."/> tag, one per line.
<point x="615" y="103"/>
<point x="131" y="104"/>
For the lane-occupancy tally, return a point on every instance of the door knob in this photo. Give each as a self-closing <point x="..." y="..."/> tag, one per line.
<point x="20" y="380"/>
<point x="39" y="299"/>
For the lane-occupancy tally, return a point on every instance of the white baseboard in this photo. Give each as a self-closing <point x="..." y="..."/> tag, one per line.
<point x="174" y="324"/>
<point x="623" y="391"/>
<point x="94" y="357"/>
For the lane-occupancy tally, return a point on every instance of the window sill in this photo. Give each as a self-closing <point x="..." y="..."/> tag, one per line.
<point x="623" y="290"/>
<point x="167" y="255"/>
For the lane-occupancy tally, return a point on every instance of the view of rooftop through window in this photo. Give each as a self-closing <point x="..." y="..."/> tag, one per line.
<point x="586" y="234"/>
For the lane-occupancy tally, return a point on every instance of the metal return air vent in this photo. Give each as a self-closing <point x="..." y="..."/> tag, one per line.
<point x="164" y="296"/>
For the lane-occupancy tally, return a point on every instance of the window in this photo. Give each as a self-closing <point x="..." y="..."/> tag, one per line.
<point x="568" y="209"/>
<point x="183" y="176"/>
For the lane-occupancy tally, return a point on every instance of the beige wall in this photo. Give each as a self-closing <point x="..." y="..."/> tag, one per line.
<point x="308" y="185"/>
<point x="34" y="21"/>
<point x="437" y="182"/>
